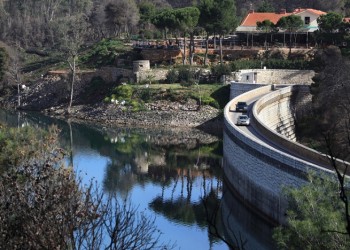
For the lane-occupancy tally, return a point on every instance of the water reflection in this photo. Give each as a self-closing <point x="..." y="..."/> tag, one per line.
<point x="244" y="226"/>
<point x="167" y="173"/>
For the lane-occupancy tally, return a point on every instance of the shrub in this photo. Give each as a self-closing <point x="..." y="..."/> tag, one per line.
<point x="103" y="53"/>
<point x="220" y="70"/>
<point x="172" y="95"/>
<point x="136" y="105"/>
<point x="186" y="75"/>
<point x="107" y="99"/>
<point x="123" y="92"/>
<point x="148" y="34"/>
<point x="145" y="94"/>
<point x="172" y="76"/>
<point x="187" y="83"/>
<point x="206" y="100"/>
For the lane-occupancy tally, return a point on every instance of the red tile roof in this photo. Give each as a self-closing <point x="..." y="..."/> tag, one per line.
<point x="316" y="12"/>
<point x="253" y="17"/>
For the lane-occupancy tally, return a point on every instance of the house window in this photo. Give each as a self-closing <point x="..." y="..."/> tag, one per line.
<point x="307" y="20"/>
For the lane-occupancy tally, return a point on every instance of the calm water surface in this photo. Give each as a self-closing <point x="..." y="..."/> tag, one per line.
<point x="165" y="173"/>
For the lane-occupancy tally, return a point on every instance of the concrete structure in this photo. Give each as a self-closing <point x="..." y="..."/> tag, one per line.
<point x="141" y="65"/>
<point x="274" y="76"/>
<point x="143" y="72"/>
<point x="277" y="111"/>
<point x="257" y="171"/>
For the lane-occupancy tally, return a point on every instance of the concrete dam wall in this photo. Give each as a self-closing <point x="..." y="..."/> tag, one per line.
<point x="257" y="171"/>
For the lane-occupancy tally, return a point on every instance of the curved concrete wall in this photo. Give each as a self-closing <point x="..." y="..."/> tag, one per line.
<point x="275" y="111"/>
<point x="272" y="116"/>
<point x="257" y="171"/>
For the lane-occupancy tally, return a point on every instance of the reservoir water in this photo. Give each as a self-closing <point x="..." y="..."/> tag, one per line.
<point x="166" y="173"/>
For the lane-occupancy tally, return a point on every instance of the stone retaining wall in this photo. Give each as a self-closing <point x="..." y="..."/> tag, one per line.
<point x="161" y="55"/>
<point x="274" y="76"/>
<point x="151" y="75"/>
<point x="238" y="88"/>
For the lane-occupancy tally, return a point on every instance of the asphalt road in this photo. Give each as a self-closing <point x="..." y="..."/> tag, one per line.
<point x="252" y="131"/>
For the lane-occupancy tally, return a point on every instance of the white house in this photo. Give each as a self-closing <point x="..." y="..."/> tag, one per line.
<point x="309" y="17"/>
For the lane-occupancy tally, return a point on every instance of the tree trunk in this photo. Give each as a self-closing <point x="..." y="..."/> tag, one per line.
<point x="71" y="143"/>
<point x="73" y="70"/>
<point x="184" y="53"/>
<point x="290" y="42"/>
<point x="220" y="41"/>
<point x="206" y="49"/>
<point x="18" y="95"/>
<point x="191" y="48"/>
<point x="214" y="42"/>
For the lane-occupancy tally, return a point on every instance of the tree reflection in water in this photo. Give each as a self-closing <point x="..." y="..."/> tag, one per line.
<point x="171" y="171"/>
<point x="177" y="168"/>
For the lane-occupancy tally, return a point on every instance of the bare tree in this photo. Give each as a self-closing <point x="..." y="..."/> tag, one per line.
<point x="13" y="71"/>
<point x="97" y="20"/>
<point x="45" y="205"/>
<point x="341" y="172"/>
<point x="73" y="31"/>
<point x="331" y="103"/>
<point x="121" y="17"/>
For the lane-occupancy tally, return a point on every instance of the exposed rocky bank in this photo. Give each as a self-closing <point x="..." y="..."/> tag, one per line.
<point x="49" y="96"/>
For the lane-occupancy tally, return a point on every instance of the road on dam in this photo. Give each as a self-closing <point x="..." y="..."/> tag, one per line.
<point x="252" y="132"/>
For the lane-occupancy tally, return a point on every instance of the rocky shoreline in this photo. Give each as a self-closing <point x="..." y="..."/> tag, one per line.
<point x="206" y="118"/>
<point x="48" y="97"/>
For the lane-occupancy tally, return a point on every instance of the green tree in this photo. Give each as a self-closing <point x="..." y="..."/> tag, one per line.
<point x="330" y="22"/>
<point x="187" y="20"/>
<point x="265" y="6"/>
<point x="165" y="20"/>
<point x="315" y="217"/>
<point x="266" y="26"/>
<point x="226" y="19"/>
<point x="206" y="8"/>
<point x="221" y="70"/>
<point x="346" y="7"/>
<point x="147" y="12"/>
<point x="330" y="27"/>
<point x="291" y="24"/>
